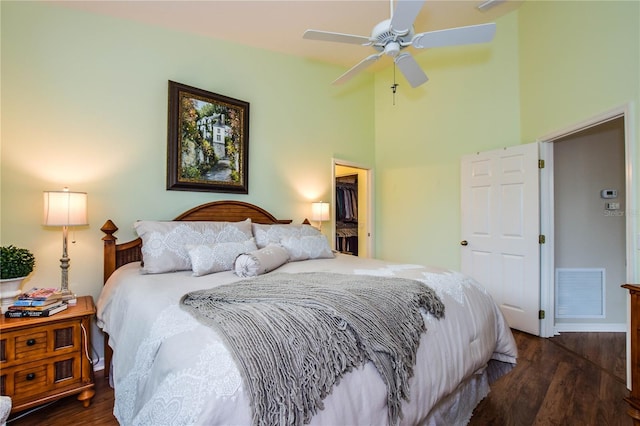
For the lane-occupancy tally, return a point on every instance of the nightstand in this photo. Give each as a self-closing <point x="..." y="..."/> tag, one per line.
<point x="44" y="359"/>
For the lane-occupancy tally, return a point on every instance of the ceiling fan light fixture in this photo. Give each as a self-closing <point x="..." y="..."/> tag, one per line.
<point x="392" y="49"/>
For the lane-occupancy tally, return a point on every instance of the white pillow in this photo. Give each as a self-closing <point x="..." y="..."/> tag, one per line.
<point x="261" y="261"/>
<point x="307" y="247"/>
<point x="265" y="234"/>
<point x="164" y="243"/>
<point x="207" y="259"/>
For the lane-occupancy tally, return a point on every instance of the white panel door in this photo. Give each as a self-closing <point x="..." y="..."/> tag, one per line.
<point x="501" y="227"/>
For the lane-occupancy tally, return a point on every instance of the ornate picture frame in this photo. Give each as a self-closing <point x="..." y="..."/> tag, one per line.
<point x="208" y="141"/>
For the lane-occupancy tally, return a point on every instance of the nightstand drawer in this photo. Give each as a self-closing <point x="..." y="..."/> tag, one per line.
<point x="30" y="345"/>
<point x="29" y="379"/>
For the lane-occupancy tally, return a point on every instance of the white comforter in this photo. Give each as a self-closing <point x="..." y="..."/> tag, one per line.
<point x="169" y="369"/>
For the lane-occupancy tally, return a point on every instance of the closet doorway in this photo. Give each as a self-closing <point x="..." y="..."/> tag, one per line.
<point x="352" y="203"/>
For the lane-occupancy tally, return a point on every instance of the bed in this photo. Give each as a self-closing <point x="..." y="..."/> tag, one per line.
<point x="169" y="367"/>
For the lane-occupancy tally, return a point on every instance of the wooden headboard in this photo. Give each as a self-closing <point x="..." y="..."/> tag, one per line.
<point x="117" y="255"/>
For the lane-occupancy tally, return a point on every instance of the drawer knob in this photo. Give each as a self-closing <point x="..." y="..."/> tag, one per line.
<point x="31" y="342"/>
<point x="31" y="376"/>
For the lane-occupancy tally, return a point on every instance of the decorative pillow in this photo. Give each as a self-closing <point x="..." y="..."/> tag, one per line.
<point x="164" y="243"/>
<point x="265" y="234"/>
<point x="261" y="261"/>
<point x="207" y="259"/>
<point x="307" y="247"/>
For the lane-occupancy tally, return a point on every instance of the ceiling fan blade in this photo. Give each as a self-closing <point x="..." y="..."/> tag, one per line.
<point x="404" y="15"/>
<point x="411" y="70"/>
<point x="455" y="36"/>
<point x="336" y="37"/>
<point x="356" y="69"/>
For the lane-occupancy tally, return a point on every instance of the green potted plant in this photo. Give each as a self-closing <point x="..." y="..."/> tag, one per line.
<point x="15" y="264"/>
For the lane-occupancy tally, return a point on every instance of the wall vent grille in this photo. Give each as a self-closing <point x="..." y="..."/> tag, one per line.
<point x="580" y="293"/>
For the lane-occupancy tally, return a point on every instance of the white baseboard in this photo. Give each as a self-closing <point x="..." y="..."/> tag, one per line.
<point x="99" y="365"/>
<point x="590" y="328"/>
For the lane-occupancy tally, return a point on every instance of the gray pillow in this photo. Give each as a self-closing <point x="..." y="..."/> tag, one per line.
<point x="307" y="247"/>
<point x="261" y="261"/>
<point x="207" y="259"/>
<point x="265" y="234"/>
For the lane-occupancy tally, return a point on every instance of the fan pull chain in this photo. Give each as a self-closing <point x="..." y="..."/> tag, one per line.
<point x="394" y="86"/>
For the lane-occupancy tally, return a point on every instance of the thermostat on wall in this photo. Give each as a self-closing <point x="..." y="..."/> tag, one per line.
<point x="609" y="193"/>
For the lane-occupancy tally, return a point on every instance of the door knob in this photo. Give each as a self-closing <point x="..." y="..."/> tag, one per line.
<point x="464" y="243"/>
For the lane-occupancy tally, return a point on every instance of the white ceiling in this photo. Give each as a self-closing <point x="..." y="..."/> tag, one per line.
<point x="278" y="25"/>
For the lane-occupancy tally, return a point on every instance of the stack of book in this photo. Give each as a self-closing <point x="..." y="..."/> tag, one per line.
<point x="37" y="302"/>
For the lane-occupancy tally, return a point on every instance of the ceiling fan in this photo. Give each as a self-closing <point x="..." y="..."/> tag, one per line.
<point x="390" y="36"/>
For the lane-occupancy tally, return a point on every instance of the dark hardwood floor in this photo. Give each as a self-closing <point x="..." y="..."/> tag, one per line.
<point x="572" y="379"/>
<point x="606" y="350"/>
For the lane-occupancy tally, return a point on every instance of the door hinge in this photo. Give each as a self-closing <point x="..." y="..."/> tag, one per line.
<point x="541" y="164"/>
<point x="542" y="239"/>
<point x="541" y="314"/>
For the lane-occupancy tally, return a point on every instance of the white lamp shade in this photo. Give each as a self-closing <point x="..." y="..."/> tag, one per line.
<point x="320" y="211"/>
<point x="65" y="208"/>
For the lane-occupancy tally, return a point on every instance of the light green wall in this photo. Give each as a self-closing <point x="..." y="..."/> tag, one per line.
<point x="471" y="103"/>
<point x="84" y="105"/>
<point x="578" y="59"/>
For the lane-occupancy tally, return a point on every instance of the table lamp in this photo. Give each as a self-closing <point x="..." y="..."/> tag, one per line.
<point x="320" y="212"/>
<point x="65" y="208"/>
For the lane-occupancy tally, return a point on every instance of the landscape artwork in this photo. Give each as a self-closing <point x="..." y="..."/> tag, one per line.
<point x="208" y="140"/>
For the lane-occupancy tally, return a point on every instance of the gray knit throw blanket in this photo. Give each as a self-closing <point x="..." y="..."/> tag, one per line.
<point x="294" y="336"/>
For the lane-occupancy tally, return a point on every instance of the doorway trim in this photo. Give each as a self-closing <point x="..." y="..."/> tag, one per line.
<point x="369" y="205"/>
<point x="627" y="112"/>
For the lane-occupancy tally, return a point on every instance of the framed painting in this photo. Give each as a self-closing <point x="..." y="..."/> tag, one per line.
<point x="208" y="141"/>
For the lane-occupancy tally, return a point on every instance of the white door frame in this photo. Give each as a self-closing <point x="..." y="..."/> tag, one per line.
<point x="546" y="210"/>
<point x="370" y="203"/>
